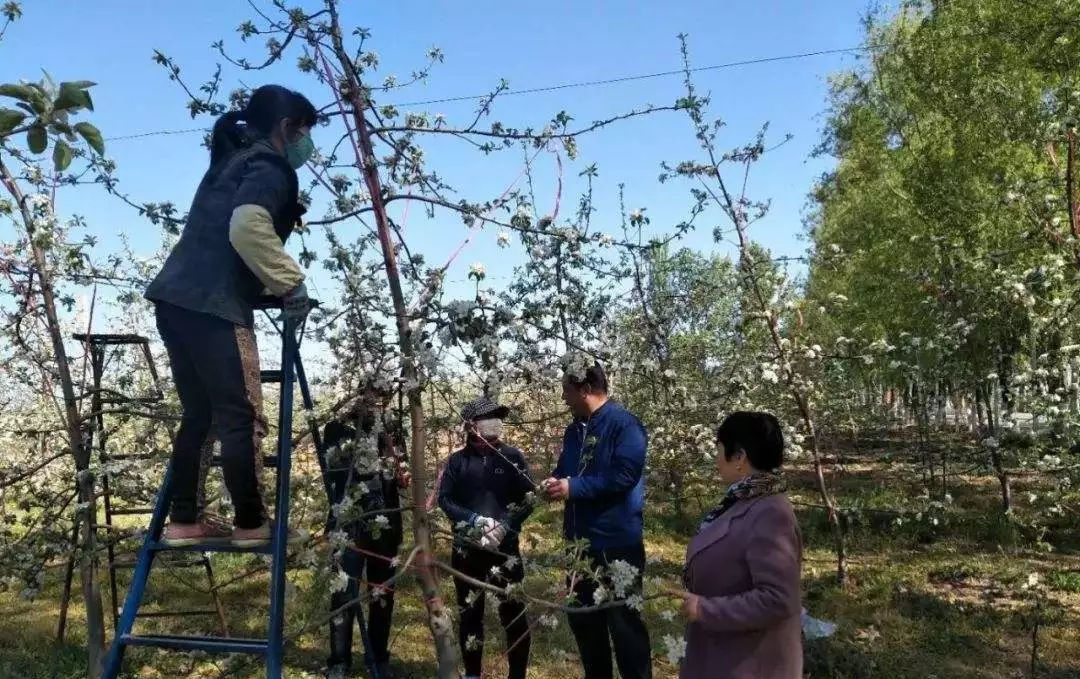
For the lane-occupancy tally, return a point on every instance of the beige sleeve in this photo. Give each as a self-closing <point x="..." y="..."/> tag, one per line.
<point x="251" y="232"/>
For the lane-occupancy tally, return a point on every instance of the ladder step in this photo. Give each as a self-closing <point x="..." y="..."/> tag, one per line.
<point x="270" y="376"/>
<point x="131" y="456"/>
<point x="209" y="644"/>
<point x="211" y="547"/>
<point x="122" y="400"/>
<point x="174" y="614"/>
<point x="105" y="338"/>
<point x="185" y="563"/>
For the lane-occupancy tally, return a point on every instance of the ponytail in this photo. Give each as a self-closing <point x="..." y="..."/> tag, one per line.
<point x="266" y="107"/>
<point x="228" y="136"/>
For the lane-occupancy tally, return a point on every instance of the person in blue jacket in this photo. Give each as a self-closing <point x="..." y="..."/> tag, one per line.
<point x="484" y="491"/>
<point x="600" y="477"/>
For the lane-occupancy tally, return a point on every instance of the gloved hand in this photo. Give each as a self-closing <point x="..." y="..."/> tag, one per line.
<point x="296" y="304"/>
<point x="483" y="525"/>
<point x="496" y="535"/>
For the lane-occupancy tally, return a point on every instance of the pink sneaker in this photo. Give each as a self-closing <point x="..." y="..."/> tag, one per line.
<point x="251" y="537"/>
<point x="187" y="534"/>
<point x="257" y="537"/>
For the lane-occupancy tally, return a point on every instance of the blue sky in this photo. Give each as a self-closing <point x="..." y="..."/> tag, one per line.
<point x="531" y="44"/>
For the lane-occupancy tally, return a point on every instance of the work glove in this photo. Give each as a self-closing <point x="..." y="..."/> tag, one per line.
<point x="496" y="535"/>
<point x="483" y="525"/>
<point x="296" y="304"/>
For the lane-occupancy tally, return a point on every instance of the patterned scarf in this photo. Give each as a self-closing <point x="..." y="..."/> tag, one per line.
<point x="755" y="485"/>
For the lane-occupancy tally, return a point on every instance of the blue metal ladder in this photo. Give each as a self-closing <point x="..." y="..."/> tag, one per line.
<point x="272" y="647"/>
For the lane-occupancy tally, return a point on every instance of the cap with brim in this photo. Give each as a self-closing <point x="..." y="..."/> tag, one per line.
<point x="483" y="408"/>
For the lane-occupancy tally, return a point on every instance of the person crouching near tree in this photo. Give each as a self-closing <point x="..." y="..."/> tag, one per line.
<point x="365" y="468"/>
<point x="484" y="491"/>
<point x="742" y="570"/>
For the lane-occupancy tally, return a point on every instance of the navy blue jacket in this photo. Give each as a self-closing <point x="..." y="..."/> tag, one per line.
<point x="479" y="481"/>
<point x="604" y="458"/>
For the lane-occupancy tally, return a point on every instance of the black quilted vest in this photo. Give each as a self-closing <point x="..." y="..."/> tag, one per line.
<point x="203" y="272"/>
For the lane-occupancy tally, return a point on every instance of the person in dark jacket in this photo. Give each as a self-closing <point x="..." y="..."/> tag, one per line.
<point x="600" y="477"/>
<point x="364" y="468"/>
<point x="231" y="249"/>
<point x="485" y="492"/>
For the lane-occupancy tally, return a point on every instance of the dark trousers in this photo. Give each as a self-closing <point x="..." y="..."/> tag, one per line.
<point x="478" y="564"/>
<point x="621" y="627"/>
<point x="215" y="366"/>
<point x="380" y="609"/>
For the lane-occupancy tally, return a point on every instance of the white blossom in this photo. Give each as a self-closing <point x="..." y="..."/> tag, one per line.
<point x="339" y="581"/>
<point x="676" y="648"/>
<point x="623" y="576"/>
<point x="600" y="595"/>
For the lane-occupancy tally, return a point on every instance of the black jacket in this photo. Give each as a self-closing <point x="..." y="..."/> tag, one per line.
<point x="203" y="272"/>
<point x="383" y="490"/>
<point x="479" y="481"/>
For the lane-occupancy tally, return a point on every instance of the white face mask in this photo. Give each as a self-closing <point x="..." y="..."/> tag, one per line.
<point x="490" y="429"/>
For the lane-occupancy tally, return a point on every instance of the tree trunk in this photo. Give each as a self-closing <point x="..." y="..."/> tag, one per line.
<point x="439" y="620"/>
<point x="86" y="514"/>
<point x="746" y="263"/>
<point x="995" y="453"/>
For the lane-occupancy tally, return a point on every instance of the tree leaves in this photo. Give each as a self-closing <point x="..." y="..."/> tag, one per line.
<point x="11" y="11"/>
<point x="92" y="136"/>
<point x="37" y="139"/>
<point x="61" y="155"/>
<point x="9" y="120"/>
<point x="20" y="92"/>
<point x="48" y="107"/>
<point x="73" y="95"/>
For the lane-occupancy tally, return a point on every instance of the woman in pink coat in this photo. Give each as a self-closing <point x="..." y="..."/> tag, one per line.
<point x="742" y="569"/>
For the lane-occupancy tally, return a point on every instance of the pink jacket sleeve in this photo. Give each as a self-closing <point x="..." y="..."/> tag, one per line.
<point x="773" y="557"/>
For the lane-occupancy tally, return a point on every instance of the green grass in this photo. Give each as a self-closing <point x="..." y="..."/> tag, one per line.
<point x="943" y="601"/>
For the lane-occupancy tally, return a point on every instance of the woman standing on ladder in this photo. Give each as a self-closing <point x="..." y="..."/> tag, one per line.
<point x="231" y="249"/>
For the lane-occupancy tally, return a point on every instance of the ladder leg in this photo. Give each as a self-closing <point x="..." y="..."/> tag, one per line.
<point x="316" y="437"/>
<point x="139" y="578"/>
<point x="275" y="632"/>
<point x="216" y="596"/>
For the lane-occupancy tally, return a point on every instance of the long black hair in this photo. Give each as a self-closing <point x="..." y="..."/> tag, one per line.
<point x="267" y="106"/>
